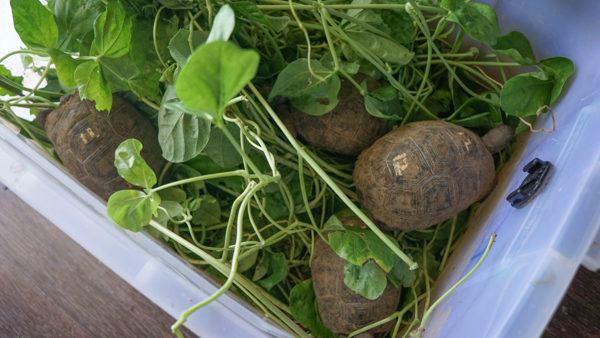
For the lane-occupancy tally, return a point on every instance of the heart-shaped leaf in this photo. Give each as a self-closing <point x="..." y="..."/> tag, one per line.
<point x="213" y="75"/>
<point x="131" y="166"/>
<point x="34" y="23"/>
<point x="132" y="209"/>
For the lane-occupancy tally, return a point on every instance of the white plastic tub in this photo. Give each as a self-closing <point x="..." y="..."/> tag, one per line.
<point x="515" y="292"/>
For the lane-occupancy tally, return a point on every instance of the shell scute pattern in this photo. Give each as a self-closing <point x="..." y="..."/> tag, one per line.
<point x="432" y="171"/>
<point x="342" y="310"/>
<point x="346" y="130"/>
<point x="86" y="139"/>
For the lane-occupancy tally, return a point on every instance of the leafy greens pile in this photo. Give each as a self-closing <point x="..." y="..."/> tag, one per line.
<point x="241" y="198"/>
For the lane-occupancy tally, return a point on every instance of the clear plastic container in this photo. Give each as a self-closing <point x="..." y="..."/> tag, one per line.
<point x="513" y="294"/>
<point x="540" y="247"/>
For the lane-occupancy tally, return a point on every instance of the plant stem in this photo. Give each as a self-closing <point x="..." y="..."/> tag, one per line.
<point x="237" y="147"/>
<point x="241" y="173"/>
<point x="37" y="85"/>
<point x="150" y="104"/>
<point x="23" y="51"/>
<point x="34" y="105"/>
<point x="429" y="311"/>
<point x="300" y="150"/>
<point x="269" y="301"/>
<point x="154" y="39"/>
<point x="234" y="263"/>
<point x="350" y="6"/>
<point x="447" y="250"/>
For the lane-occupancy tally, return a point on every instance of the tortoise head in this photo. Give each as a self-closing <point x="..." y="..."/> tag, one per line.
<point x="497" y="138"/>
<point x="42" y="117"/>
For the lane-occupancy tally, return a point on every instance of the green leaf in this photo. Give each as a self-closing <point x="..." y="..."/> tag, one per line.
<point x="402" y="275"/>
<point x="367" y="280"/>
<point x="261" y="268"/>
<point x="321" y="102"/>
<point x="221" y="151"/>
<point x="278" y="23"/>
<point x="131" y="166"/>
<point x="142" y="51"/>
<point x="248" y="10"/>
<point x="388" y="50"/>
<point x="350" y="246"/>
<point x="296" y="80"/>
<point x="388" y="110"/>
<point x="214" y="74"/>
<point x="223" y="25"/>
<point x="559" y="69"/>
<point x="248" y="262"/>
<point x="122" y="74"/>
<point x="138" y="71"/>
<point x="278" y="270"/>
<point x="173" y="194"/>
<point x="478" y="20"/>
<point x="333" y="224"/>
<point x="75" y="18"/>
<point x="181" y="135"/>
<point x="208" y="212"/>
<point x="112" y="31"/>
<point x="169" y="210"/>
<point x="401" y="26"/>
<point x="357" y="246"/>
<point x="34" y="23"/>
<point x="5" y="73"/>
<point x="380" y="253"/>
<point x="179" y="45"/>
<point x="516" y="46"/>
<point x="92" y="85"/>
<point x="524" y="94"/>
<point x="65" y="67"/>
<point x="132" y="209"/>
<point x="303" y="307"/>
<point x="275" y="206"/>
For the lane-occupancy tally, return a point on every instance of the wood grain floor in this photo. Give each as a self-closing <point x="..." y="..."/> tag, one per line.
<point x="51" y="287"/>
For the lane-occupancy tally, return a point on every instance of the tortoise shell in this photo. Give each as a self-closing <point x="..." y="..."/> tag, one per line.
<point x="346" y="130"/>
<point x="423" y="173"/>
<point x="85" y="140"/>
<point x="342" y="310"/>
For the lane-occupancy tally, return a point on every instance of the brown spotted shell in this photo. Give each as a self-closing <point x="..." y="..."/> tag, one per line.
<point x="342" y="310"/>
<point x="346" y="130"/>
<point x="423" y="173"/>
<point x="85" y="140"/>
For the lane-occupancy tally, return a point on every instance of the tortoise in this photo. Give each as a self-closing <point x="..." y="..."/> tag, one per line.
<point x="342" y="310"/>
<point x="425" y="172"/>
<point x="347" y="129"/>
<point x="85" y="140"/>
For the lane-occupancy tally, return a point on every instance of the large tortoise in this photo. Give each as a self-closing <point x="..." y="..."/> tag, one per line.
<point x="342" y="310"/>
<point x="85" y="140"/>
<point x="347" y="129"/>
<point x="425" y="172"/>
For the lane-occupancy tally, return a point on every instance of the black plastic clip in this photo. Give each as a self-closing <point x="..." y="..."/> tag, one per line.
<point x="532" y="184"/>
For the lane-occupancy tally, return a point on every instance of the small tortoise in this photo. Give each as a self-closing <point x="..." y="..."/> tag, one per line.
<point x="342" y="310"/>
<point x="85" y="140"/>
<point x="346" y="130"/>
<point x="425" y="172"/>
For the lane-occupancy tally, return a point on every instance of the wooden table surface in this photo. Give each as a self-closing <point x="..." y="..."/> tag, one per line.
<point x="50" y="286"/>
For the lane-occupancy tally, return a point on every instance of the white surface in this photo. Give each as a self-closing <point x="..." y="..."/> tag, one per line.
<point x="10" y="42"/>
<point x="162" y="277"/>
<point x="155" y="272"/>
<point x="539" y="247"/>
<point x="513" y="294"/>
